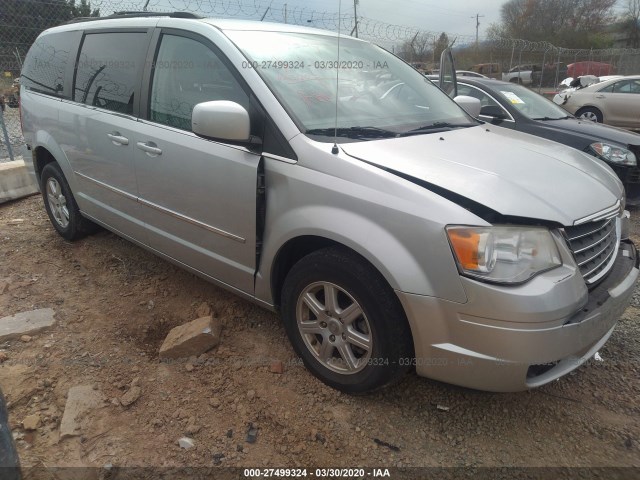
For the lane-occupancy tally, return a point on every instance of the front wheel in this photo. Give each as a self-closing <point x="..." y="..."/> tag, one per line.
<point x="345" y="322"/>
<point x="61" y="206"/>
<point x="590" y="113"/>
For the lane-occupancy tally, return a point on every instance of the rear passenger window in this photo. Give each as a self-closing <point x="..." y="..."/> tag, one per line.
<point x="108" y="68"/>
<point x="186" y="72"/>
<point x="44" y="67"/>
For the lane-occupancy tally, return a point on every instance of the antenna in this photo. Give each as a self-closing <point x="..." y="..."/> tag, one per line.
<point x="335" y="149"/>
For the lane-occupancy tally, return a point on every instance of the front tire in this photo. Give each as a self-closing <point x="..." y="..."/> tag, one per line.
<point x="345" y="322"/>
<point x="61" y="206"/>
<point x="590" y="113"/>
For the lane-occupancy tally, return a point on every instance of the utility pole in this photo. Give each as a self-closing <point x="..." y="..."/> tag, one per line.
<point x="477" y="17"/>
<point x="355" y="16"/>
<point x="285" y="13"/>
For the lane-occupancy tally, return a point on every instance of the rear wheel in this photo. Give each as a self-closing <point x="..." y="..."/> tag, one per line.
<point x="345" y="322"/>
<point x="590" y="113"/>
<point x="61" y="206"/>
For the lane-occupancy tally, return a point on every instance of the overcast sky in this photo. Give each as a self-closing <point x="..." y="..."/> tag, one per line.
<point x="452" y="16"/>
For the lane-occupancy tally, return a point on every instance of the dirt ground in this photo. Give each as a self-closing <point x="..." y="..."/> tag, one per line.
<point x="114" y="303"/>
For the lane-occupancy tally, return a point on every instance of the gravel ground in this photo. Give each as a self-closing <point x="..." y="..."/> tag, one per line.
<point x="115" y="303"/>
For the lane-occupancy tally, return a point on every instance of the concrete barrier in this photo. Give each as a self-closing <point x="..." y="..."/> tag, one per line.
<point x="16" y="181"/>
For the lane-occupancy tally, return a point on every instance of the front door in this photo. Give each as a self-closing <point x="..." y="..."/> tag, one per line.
<point x="198" y="196"/>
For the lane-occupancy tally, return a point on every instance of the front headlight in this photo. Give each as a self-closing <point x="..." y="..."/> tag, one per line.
<point x="614" y="153"/>
<point x="503" y="254"/>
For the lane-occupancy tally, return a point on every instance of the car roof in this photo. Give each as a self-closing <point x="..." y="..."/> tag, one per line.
<point x="609" y="82"/>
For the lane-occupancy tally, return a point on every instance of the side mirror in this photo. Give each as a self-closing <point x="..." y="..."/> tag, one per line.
<point x="221" y="120"/>
<point x="470" y="104"/>
<point x="493" y="111"/>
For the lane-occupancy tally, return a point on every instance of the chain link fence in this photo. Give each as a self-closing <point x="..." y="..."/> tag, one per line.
<point x="22" y="20"/>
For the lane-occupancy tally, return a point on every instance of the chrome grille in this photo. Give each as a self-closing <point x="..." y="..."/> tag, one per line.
<point x="594" y="245"/>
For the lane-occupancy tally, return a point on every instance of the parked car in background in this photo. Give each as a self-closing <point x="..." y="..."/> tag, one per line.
<point x="614" y="102"/>
<point x="549" y="76"/>
<point x="468" y="73"/>
<point x="522" y="74"/>
<point x="598" y="69"/>
<point x="491" y="70"/>
<point x="517" y="107"/>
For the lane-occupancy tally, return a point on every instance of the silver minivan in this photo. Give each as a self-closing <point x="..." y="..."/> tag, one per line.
<point x="321" y="176"/>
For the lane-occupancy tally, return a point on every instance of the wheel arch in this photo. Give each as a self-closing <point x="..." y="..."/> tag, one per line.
<point x="46" y="150"/>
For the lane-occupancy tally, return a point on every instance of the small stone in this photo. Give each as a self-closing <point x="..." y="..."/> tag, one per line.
<point x="189" y="367"/>
<point x="251" y="394"/>
<point x="203" y="310"/>
<point x="131" y="396"/>
<point x="16" y="221"/>
<point x="320" y="438"/>
<point x="442" y="408"/>
<point x="193" y="338"/>
<point x="135" y="382"/>
<point x="217" y="458"/>
<point x="186" y="443"/>
<point x="32" y="422"/>
<point x="229" y="433"/>
<point x="3" y="357"/>
<point x="25" y="338"/>
<point x="193" y="429"/>
<point x="215" y="402"/>
<point x="80" y="401"/>
<point x="25" y="323"/>
<point x="252" y="434"/>
<point x="276" y="367"/>
<point x="239" y="448"/>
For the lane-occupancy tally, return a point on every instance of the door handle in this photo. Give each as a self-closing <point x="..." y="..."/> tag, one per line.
<point x="118" y="139"/>
<point x="599" y="96"/>
<point x="149" y="148"/>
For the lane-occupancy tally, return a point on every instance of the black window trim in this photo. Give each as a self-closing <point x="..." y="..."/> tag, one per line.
<point x="137" y="93"/>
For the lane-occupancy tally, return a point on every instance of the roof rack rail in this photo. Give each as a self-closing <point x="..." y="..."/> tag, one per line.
<point x="133" y="14"/>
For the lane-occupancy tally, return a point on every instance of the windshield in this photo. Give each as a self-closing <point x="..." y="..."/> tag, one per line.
<point x="378" y="94"/>
<point x="530" y="104"/>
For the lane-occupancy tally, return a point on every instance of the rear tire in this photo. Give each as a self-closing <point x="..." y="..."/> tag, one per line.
<point x="61" y="206"/>
<point x="345" y="321"/>
<point x="590" y="113"/>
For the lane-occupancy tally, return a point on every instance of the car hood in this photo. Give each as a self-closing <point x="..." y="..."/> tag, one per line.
<point x="512" y="173"/>
<point x="591" y="131"/>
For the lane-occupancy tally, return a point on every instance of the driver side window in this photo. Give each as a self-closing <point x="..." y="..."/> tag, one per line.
<point x="187" y="72"/>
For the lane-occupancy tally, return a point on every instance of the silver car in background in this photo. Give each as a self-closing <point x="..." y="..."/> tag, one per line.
<point x="390" y="228"/>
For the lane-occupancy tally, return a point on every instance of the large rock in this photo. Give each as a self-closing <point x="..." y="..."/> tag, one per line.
<point x="25" y="323"/>
<point x="80" y="400"/>
<point x="193" y="338"/>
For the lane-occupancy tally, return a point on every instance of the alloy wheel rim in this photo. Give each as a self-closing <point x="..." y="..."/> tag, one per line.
<point x="57" y="203"/>
<point x="590" y="116"/>
<point x="334" y="328"/>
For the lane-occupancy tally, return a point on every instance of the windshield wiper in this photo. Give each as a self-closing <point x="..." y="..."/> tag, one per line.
<point x="437" y="126"/>
<point x="550" y="118"/>
<point x="353" y="132"/>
